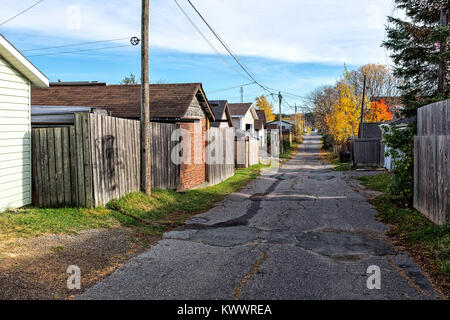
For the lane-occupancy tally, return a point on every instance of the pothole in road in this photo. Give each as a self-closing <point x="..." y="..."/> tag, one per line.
<point x="198" y="220"/>
<point x="343" y="246"/>
<point x="226" y="237"/>
<point x="321" y="178"/>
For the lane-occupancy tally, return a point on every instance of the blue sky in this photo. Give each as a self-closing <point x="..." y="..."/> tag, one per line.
<point x="294" y="46"/>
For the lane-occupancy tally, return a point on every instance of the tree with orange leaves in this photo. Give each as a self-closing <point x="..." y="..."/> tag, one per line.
<point x="378" y="112"/>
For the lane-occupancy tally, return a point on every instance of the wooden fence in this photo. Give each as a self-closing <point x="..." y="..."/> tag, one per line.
<point x="220" y="154"/>
<point x="368" y="151"/>
<point x="432" y="162"/>
<point x="115" y="153"/>
<point x="165" y="173"/>
<point x="96" y="160"/>
<point x="247" y="152"/>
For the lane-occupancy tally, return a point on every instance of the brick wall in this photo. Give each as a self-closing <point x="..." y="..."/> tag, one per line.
<point x="193" y="174"/>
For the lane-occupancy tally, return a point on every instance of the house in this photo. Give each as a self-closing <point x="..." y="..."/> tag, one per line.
<point x="260" y="127"/>
<point x="17" y="75"/>
<point x="184" y="104"/>
<point x="244" y="116"/>
<point x="287" y="125"/>
<point x="222" y="114"/>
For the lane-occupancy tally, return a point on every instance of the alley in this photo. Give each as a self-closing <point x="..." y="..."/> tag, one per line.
<point x="305" y="232"/>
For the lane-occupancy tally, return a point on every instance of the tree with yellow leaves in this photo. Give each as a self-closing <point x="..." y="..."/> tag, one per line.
<point x="343" y="121"/>
<point x="266" y="106"/>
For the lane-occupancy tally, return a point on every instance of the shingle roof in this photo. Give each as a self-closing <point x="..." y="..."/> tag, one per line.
<point x="219" y="108"/>
<point x="239" y="109"/>
<point x="166" y="100"/>
<point x="261" y="122"/>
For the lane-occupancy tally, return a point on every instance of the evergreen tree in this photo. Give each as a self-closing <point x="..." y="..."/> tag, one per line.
<point x="416" y="44"/>
<point x="419" y="47"/>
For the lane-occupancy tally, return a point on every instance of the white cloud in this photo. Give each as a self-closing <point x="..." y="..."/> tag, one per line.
<point x="330" y="31"/>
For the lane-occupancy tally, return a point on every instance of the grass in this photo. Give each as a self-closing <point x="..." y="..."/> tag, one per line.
<point x="149" y="215"/>
<point x="288" y="150"/>
<point x="338" y="165"/>
<point x="427" y="242"/>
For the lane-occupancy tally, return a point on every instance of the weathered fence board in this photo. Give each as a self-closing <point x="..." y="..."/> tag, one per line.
<point x="368" y="151"/>
<point x="432" y="177"/>
<point x="165" y="173"/>
<point x="432" y="162"/>
<point x="219" y="155"/>
<point x="253" y="151"/>
<point x="113" y="145"/>
<point x="434" y="119"/>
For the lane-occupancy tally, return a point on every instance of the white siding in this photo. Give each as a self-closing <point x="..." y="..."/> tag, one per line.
<point x="15" y="138"/>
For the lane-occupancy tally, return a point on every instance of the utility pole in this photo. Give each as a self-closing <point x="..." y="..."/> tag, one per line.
<point x="146" y="181"/>
<point x="280" y="98"/>
<point x="442" y="84"/>
<point x="296" y="122"/>
<point x="360" y="133"/>
<point x="242" y="94"/>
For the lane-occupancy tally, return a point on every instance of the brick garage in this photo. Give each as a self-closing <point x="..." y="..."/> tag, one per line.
<point x="184" y="104"/>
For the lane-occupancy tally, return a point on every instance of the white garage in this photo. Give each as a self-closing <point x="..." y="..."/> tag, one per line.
<point x="17" y="75"/>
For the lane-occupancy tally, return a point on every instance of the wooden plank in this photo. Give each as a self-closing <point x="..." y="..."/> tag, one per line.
<point x="95" y="163"/>
<point x="113" y="160"/>
<point x="45" y="200"/>
<point x="127" y="147"/>
<point x="73" y="167"/>
<point x="52" y="167"/>
<point x="59" y="168"/>
<point x="38" y="180"/>
<point x="87" y="160"/>
<point x="66" y="166"/>
<point x="137" y="154"/>
<point x="80" y="161"/>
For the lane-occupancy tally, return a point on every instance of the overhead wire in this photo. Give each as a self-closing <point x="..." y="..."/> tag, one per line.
<point x="20" y="13"/>
<point x="76" y="51"/>
<point x="206" y="39"/>
<point x="75" y="44"/>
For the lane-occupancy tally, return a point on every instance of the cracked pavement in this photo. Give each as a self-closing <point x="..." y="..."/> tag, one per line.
<point x="305" y="232"/>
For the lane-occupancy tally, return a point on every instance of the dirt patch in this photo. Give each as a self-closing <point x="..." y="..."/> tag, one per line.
<point x="36" y="268"/>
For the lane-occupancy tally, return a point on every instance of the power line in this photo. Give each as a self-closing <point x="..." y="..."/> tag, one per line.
<point x="231" y="88"/>
<point x="225" y="45"/>
<point x="22" y="12"/>
<point x="75" y="51"/>
<point x="75" y="44"/>
<point x="233" y="55"/>
<point x="206" y="40"/>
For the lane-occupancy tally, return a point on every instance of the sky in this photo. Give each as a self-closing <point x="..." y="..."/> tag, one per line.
<point x="290" y="45"/>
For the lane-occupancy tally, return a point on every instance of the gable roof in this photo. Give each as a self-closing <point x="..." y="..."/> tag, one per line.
<point x="220" y="108"/>
<point x="21" y="64"/>
<point x="283" y="120"/>
<point x="261" y="122"/>
<point x="239" y="110"/>
<point x="167" y="101"/>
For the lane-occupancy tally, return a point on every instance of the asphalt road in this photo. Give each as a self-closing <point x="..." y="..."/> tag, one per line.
<point x="305" y="232"/>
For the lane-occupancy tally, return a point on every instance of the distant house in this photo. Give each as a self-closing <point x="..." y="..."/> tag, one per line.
<point x="244" y="116"/>
<point x="17" y="75"/>
<point x="222" y="114"/>
<point x="260" y="127"/>
<point x="183" y="104"/>
<point x="287" y="125"/>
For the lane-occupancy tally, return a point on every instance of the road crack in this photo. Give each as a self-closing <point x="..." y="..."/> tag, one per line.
<point x="403" y="274"/>
<point x="255" y="269"/>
